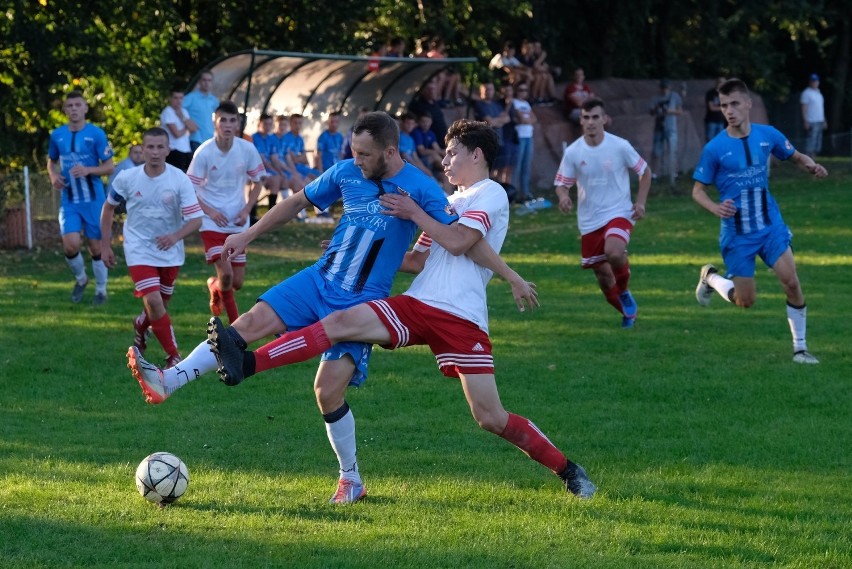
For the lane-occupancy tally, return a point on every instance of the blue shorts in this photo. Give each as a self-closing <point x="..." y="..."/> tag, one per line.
<point x="739" y="251"/>
<point x="306" y="298"/>
<point x="77" y="217"/>
<point x="306" y="170"/>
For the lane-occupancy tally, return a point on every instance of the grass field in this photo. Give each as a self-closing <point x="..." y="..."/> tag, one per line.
<point x="710" y="448"/>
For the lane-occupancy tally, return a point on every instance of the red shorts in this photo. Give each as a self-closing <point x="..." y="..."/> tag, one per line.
<point x="149" y="279"/>
<point x="460" y="347"/>
<point x="592" y="244"/>
<point x="213" y="241"/>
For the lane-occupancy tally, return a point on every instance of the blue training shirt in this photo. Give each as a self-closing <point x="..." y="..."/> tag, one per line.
<point x="739" y="167"/>
<point x="88" y="147"/>
<point x="367" y="247"/>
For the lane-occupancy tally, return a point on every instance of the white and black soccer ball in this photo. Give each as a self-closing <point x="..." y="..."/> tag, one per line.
<point x="162" y="478"/>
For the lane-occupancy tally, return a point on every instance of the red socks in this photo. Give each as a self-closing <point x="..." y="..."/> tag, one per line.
<point x="622" y="277"/>
<point x="292" y="347"/>
<point x="230" y="304"/>
<point x="165" y="334"/>
<point x="523" y="434"/>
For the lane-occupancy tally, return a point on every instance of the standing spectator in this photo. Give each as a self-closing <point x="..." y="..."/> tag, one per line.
<point x="78" y="155"/>
<point x="714" y="120"/>
<point x="813" y="115"/>
<point x="395" y="47"/>
<point x="162" y="209"/>
<point x="219" y="171"/>
<point x="495" y="112"/>
<point x="665" y="109"/>
<point x="505" y="162"/>
<point x="575" y="95"/>
<point x="329" y="144"/>
<point x="134" y="158"/>
<point x="525" y="121"/>
<point x="264" y="141"/>
<point x="599" y="163"/>
<point x="737" y="162"/>
<point x="426" y="103"/>
<point x="201" y="103"/>
<point x="175" y="120"/>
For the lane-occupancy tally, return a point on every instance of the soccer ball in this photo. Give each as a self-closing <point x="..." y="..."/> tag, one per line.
<point x="162" y="478"/>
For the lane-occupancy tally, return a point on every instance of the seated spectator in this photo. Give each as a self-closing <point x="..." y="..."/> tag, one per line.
<point x="542" y="84"/>
<point x="264" y="141"/>
<point x="449" y="79"/>
<point x="575" y="94"/>
<point x="506" y="62"/>
<point x="426" y="143"/>
<point x="395" y="47"/>
<point x="426" y="103"/>
<point x="294" y="146"/>
<point x="407" y="146"/>
<point x="290" y="178"/>
<point x="347" y="140"/>
<point x="329" y="144"/>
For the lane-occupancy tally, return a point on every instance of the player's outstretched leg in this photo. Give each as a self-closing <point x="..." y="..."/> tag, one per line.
<point x="704" y="292"/>
<point x="229" y="348"/>
<point x="576" y="481"/>
<point x="149" y="376"/>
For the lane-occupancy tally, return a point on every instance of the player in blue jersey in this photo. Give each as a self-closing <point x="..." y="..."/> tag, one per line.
<point x="329" y="144"/>
<point x="359" y="264"/>
<point x="78" y="155"/>
<point x="737" y="162"/>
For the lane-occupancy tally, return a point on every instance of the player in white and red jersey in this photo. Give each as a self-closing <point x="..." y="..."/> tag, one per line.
<point x="220" y="169"/>
<point x="445" y="306"/>
<point x="599" y="164"/>
<point x="162" y="209"/>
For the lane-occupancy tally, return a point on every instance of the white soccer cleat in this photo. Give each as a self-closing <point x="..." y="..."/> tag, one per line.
<point x="149" y="376"/>
<point x="804" y="357"/>
<point x="704" y="292"/>
<point x="348" y="492"/>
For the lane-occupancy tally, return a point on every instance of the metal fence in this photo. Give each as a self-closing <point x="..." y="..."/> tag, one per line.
<point x="29" y="208"/>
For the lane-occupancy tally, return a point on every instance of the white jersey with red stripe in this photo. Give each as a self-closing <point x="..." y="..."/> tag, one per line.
<point x="454" y="283"/>
<point x="602" y="176"/>
<point x="155" y="207"/>
<point x="220" y="179"/>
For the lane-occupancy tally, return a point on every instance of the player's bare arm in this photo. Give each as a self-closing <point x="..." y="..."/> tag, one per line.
<point x="413" y="262"/>
<point x="723" y="210"/>
<point x="281" y="213"/>
<point x="808" y="164"/>
<point x="565" y="203"/>
<point x="642" y="194"/>
<point x="107" y="254"/>
<point x="455" y="238"/>
<point x="165" y="242"/>
<point x="524" y="292"/>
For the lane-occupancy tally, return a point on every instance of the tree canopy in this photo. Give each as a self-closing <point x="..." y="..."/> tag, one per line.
<point x="125" y="55"/>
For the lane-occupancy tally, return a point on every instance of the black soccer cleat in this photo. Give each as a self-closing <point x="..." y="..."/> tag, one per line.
<point x="228" y="353"/>
<point x="577" y="482"/>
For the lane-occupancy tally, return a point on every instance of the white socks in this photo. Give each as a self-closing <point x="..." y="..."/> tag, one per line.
<point x="341" y="435"/>
<point x="721" y="285"/>
<point x="797" y="317"/>
<point x="78" y="267"/>
<point x="196" y="364"/>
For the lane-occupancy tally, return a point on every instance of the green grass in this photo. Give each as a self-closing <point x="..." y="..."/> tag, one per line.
<point x="709" y="446"/>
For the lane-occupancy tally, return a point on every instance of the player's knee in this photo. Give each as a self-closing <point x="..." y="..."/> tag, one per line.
<point x="744" y="301"/>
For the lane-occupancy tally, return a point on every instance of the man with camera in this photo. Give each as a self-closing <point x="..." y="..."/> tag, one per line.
<point x="665" y="108"/>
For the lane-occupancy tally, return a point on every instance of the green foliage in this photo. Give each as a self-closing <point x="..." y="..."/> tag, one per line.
<point x="711" y="448"/>
<point x="126" y="54"/>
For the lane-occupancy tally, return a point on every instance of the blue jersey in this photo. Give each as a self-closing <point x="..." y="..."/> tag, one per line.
<point x="739" y="167"/>
<point x="367" y="247"/>
<point x="330" y="145"/>
<point x="265" y="144"/>
<point x="86" y="147"/>
<point x="291" y="143"/>
<point x="406" y="144"/>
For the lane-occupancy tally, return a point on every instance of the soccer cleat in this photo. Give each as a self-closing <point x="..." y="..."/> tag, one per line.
<point x="348" y="492"/>
<point x="804" y="357"/>
<point x="627" y="323"/>
<point x="704" y="292"/>
<point x="577" y="482"/>
<point x="149" y="376"/>
<point x="173" y="360"/>
<point x="229" y="356"/>
<point x="628" y="304"/>
<point x="77" y="293"/>
<point x="99" y="299"/>
<point x="215" y="296"/>
<point x="141" y="333"/>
